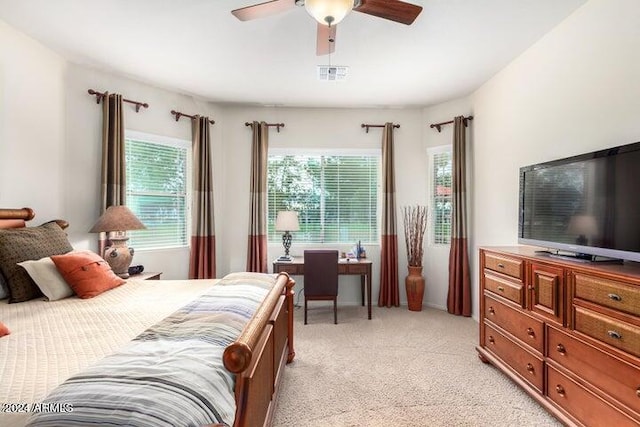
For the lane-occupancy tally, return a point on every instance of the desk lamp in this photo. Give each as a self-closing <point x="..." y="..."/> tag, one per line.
<point x="287" y="221"/>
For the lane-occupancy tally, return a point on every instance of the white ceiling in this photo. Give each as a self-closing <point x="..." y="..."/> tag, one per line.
<point x="197" y="47"/>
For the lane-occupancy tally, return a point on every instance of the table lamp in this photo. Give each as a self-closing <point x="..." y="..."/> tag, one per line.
<point x="287" y="221"/>
<point x="116" y="220"/>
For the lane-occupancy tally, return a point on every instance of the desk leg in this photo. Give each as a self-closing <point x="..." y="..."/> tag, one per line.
<point x="363" y="279"/>
<point x="369" y="292"/>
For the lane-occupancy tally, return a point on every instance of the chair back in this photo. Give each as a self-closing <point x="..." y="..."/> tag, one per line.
<point x="320" y="272"/>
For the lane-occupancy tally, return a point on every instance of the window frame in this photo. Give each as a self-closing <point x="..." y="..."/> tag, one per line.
<point x="130" y="134"/>
<point x="432" y="152"/>
<point x="332" y="152"/>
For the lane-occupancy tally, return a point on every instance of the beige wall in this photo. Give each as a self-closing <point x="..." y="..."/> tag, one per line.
<point x="32" y="109"/>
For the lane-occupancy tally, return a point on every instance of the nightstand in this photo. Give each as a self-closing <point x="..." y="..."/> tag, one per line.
<point x="150" y="275"/>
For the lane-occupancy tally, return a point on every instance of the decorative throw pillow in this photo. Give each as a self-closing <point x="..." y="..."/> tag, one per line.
<point x="48" y="278"/>
<point x="87" y="273"/>
<point x="30" y="243"/>
<point x="3" y="330"/>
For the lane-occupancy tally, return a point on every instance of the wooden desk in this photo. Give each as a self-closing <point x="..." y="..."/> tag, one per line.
<point x="361" y="267"/>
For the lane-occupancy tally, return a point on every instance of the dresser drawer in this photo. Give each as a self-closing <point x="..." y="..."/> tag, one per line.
<point x="510" y="290"/>
<point x="585" y="406"/>
<point x="608" y="293"/>
<point x="509" y="266"/>
<point x="527" y="329"/>
<point x="622" y="335"/>
<point x="528" y="366"/>
<point x="613" y="376"/>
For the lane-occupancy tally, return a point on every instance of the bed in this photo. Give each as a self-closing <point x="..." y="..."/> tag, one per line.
<point x="146" y="352"/>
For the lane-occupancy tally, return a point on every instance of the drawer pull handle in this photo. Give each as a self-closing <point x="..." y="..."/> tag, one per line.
<point x="492" y="340"/>
<point x="531" y="333"/>
<point x="615" y="334"/>
<point x="530" y="369"/>
<point x="561" y="349"/>
<point x="615" y="297"/>
<point x="638" y="392"/>
<point x="492" y="311"/>
<point x="560" y="390"/>
<point x="500" y="288"/>
<point x="501" y="265"/>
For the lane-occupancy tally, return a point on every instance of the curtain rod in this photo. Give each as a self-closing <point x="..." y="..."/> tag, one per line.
<point x="178" y="114"/>
<point x="100" y="95"/>
<point x="438" y="125"/>
<point x="366" y="126"/>
<point x="277" y="125"/>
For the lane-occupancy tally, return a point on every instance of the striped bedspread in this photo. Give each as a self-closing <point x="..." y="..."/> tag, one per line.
<point x="170" y="375"/>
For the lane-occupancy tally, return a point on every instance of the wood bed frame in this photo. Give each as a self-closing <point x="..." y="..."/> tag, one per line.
<point x="257" y="356"/>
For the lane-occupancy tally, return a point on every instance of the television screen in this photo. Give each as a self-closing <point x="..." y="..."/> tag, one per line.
<point x="587" y="204"/>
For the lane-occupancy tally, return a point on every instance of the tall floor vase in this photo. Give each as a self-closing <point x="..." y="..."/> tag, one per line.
<point x="414" y="283"/>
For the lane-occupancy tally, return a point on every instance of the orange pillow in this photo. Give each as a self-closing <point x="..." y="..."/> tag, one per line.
<point x="86" y="273"/>
<point x="3" y="330"/>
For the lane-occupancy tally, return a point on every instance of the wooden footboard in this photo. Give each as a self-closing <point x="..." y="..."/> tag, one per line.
<point x="258" y="355"/>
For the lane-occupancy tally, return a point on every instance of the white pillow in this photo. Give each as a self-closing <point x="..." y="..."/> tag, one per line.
<point x="48" y="279"/>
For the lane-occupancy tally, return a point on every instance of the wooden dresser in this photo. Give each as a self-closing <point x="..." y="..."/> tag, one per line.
<point x="567" y="332"/>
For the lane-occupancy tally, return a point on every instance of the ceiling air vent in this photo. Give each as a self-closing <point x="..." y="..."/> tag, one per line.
<point x="331" y="73"/>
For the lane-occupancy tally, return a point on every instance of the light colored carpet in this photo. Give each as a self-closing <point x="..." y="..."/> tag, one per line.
<point x="401" y="368"/>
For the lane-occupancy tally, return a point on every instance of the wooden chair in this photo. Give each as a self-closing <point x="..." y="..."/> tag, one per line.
<point x="321" y="278"/>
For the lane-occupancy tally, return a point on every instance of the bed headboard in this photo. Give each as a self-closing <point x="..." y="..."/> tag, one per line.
<point x="15" y="218"/>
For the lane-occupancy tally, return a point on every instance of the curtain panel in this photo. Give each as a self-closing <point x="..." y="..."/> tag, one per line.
<point x="389" y="289"/>
<point x="459" y="295"/>
<point x="113" y="177"/>
<point x="257" y="241"/>
<point x="202" y="260"/>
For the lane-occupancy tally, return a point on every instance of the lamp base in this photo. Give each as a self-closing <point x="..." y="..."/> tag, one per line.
<point x="119" y="256"/>
<point x="285" y="258"/>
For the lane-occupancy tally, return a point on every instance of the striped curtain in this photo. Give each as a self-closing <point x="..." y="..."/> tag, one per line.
<point x="389" y="290"/>
<point x="202" y="261"/>
<point x="257" y="246"/>
<point x="459" y="296"/>
<point x="113" y="177"/>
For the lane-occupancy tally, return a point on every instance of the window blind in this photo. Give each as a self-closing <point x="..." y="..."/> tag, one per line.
<point x="441" y="197"/>
<point x="157" y="193"/>
<point x="336" y="196"/>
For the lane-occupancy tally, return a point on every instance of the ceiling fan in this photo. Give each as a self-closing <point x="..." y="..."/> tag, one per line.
<point x="329" y="13"/>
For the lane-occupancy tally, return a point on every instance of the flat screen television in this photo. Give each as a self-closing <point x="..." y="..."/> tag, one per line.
<point x="587" y="205"/>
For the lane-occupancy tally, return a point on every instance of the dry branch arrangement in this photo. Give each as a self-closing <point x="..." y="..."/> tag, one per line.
<point x="415" y="224"/>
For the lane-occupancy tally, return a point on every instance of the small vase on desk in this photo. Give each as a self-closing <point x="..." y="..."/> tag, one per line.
<point x="414" y="284"/>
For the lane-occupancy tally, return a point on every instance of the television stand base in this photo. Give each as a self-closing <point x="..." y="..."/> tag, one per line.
<point x="580" y="257"/>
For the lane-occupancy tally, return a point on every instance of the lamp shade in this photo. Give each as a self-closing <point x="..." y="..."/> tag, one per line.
<point x="287" y="221"/>
<point x="328" y="12"/>
<point x="117" y="218"/>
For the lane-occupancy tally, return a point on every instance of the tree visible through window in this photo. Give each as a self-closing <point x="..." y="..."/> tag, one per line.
<point x="336" y="196"/>
<point x="157" y="183"/>
<point x="441" y="195"/>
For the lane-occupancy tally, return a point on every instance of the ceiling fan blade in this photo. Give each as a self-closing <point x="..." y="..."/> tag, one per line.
<point x="262" y="10"/>
<point x="394" y="10"/>
<point x="326" y="39"/>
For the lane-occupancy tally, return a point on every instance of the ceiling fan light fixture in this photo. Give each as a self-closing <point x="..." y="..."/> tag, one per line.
<point x="329" y="12"/>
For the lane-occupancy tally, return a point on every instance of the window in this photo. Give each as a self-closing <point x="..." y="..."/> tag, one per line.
<point x="335" y="195"/>
<point x="441" y="167"/>
<point x="158" y="179"/>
